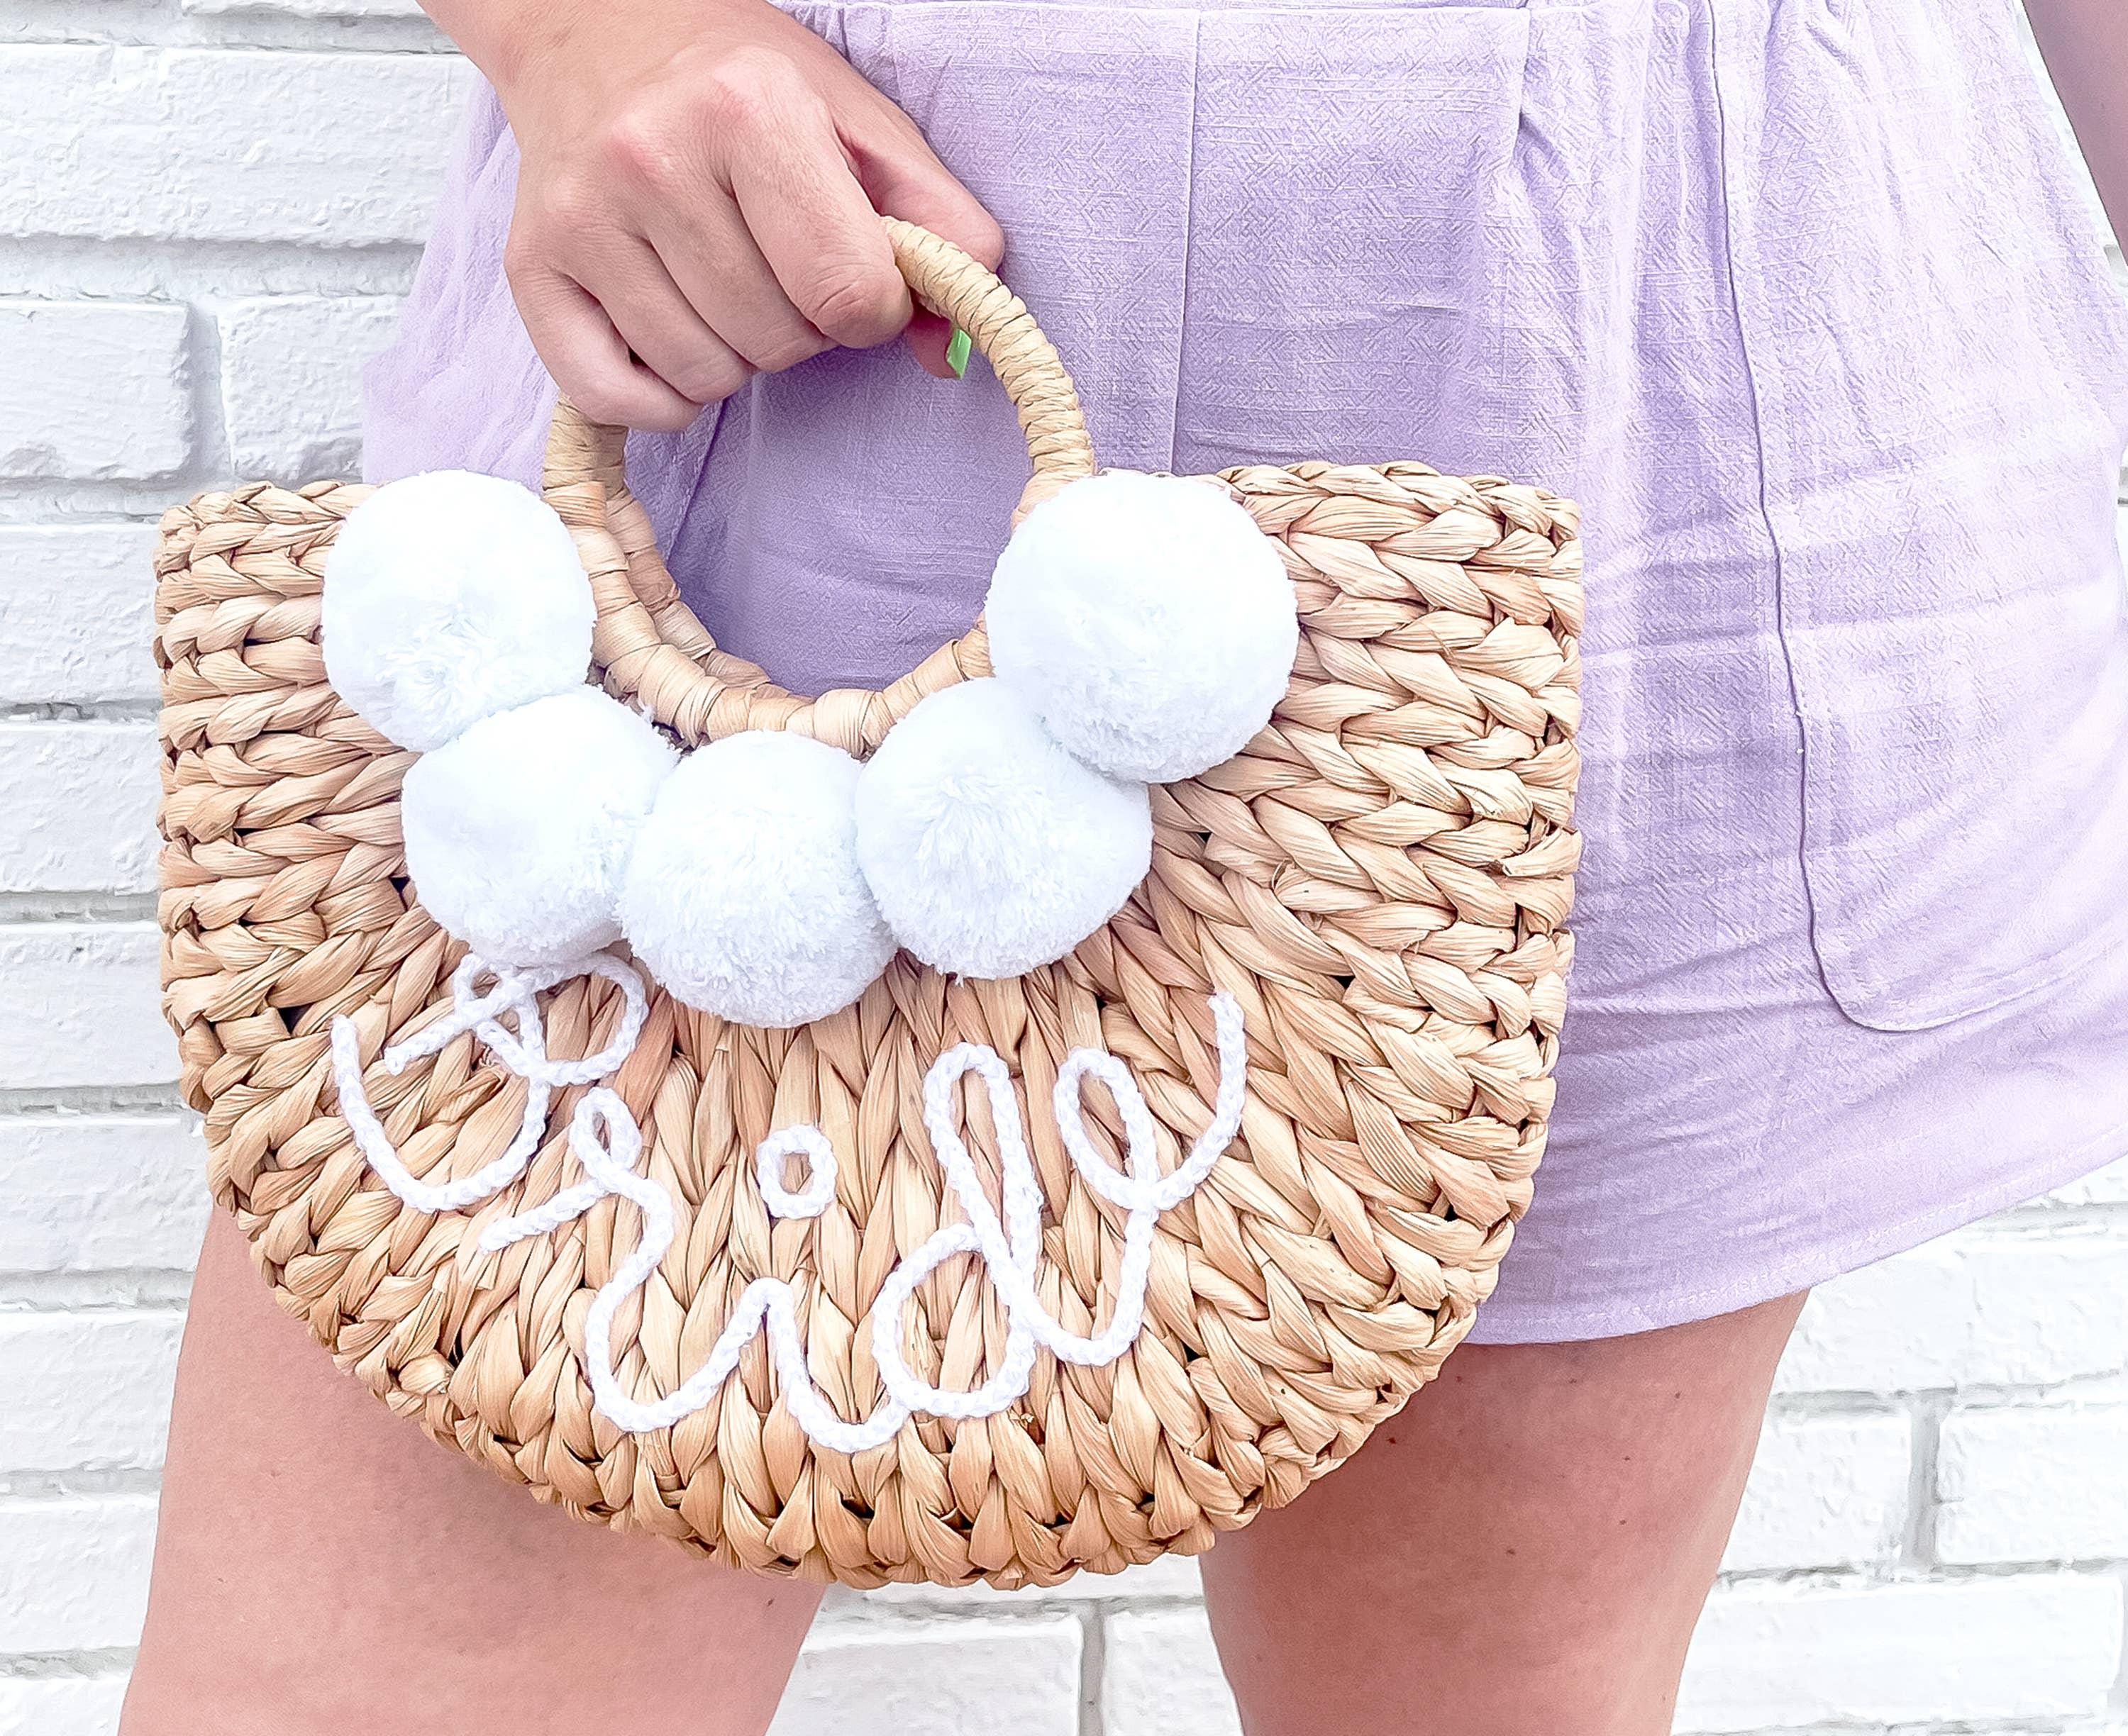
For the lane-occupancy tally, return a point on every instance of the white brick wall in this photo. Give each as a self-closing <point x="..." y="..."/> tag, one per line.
<point x="73" y="1571"/>
<point x="77" y="807"/>
<point x="290" y="369"/>
<point x="165" y="143"/>
<point x="1783" y="1657"/>
<point x="57" y="580"/>
<point x="2016" y="1483"/>
<point x="208" y="209"/>
<point x="941" y="1678"/>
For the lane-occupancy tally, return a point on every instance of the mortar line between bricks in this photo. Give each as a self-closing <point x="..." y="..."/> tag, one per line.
<point x="29" y="505"/>
<point x="948" y="1611"/>
<point x="1918" y="1545"/>
<point x="1814" y="1406"/>
<point x="27" y="1304"/>
<point x="2043" y="1223"/>
<point x="443" y="48"/>
<point x="166" y="250"/>
<point x="1093" y="1667"/>
<point x="2035" y="1726"/>
<point x="2116" y="1702"/>
<point x="1943" y="1575"/>
<point x="207" y="390"/>
<point x="2103" y="1384"/>
<point x="42" y="909"/>
<point x="66" y="714"/>
<point x="65" y="1666"/>
<point x="20" y="1490"/>
<point x="113" y="520"/>
<point x="1957" y="1575"/>
<point x="144" y="1102"/>
<point x="153" y="1106"/>
<point x="60" y="1495"/>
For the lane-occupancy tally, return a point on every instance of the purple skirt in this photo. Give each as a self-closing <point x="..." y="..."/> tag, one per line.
<point x="1801" y="299"/>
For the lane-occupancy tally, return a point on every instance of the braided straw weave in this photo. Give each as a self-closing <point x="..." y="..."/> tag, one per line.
<point x="1381" y="879"/>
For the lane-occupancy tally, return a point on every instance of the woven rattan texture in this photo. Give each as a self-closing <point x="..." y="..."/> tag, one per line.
<point x="1381" y="879"/>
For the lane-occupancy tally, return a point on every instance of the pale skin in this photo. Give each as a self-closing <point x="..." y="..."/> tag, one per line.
<point x="1523" y="1551"/>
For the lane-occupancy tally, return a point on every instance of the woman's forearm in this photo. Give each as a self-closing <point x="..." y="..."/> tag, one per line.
<point x="2086" y="45"/>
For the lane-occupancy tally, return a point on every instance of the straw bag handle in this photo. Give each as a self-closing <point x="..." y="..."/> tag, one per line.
<point x="648" y="643"/>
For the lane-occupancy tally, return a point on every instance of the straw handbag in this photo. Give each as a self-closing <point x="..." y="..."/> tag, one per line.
<point x="1260" y="1141"/>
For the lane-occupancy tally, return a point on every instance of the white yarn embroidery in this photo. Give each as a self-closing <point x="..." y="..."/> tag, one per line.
<point x="608" y="1145"/>
<point x="524" y="1054"/>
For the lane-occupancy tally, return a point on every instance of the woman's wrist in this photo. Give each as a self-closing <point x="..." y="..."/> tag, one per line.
<point x="526" y="49"/>
<point x="492" y="34"/>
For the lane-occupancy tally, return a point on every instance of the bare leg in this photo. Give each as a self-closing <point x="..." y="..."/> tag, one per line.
<point x="1522" y="1553"/>
<point x="322" y="1568"/>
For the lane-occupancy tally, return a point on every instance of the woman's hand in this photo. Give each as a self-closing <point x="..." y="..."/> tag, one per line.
<point x="698" y="195"/>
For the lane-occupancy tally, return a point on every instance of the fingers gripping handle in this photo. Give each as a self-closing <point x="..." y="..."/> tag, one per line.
<point x="952" y="284"/>
<point x="957" y="288"/>
<point x="648" y="644"/>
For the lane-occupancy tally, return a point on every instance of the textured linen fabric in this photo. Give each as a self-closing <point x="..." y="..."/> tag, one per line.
<point x="1799" y="298"/>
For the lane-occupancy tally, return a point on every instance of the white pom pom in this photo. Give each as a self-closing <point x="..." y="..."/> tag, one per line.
<point x="518" y="832"/>
<point x="744" y="897"/>
<point x="449" y="597"/>
<point x="1146" y="620"/>
<point x="990" y="849"/>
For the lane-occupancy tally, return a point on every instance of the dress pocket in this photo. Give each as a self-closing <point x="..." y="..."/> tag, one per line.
<point x="1943" y="397"/>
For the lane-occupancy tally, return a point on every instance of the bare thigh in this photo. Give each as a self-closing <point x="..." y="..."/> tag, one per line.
<point x="321" y="1568"/>
<point x="1523" y="1551"/>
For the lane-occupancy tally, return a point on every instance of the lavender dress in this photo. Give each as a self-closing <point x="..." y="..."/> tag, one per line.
<point x="1800" y="298"/>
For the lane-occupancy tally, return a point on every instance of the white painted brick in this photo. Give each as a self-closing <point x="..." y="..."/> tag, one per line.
<point x="1163" y="1677"/>
<point x="60" y="1705"/>
<point x="224" y="143"/>
<point x="77" y="807"/>
<point x="77" y="613"/>
<point x="1826" y="1491"/>
<point x="73" y="1571"/>
<point x="312" y="8"/>
<point x="87" y="1391"/>
<point x="1171" y="1578"/>
<point x="950" y="1679"/>
<point x="80" y="1004"/>
<point x="291" y="381"/>
<point x="2048" y="1306"/>
<point x="92" y="1193"/>
<point x="2041" y="1483"/>
<point x="1772" y="1656"/>
<point x="1897" y="1326"/>
<point x="91" y="389"/>
<point x="1990" y="1306"/>
<point x="2106" y="1187"/>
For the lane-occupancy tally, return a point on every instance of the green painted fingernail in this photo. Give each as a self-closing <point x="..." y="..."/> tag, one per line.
<point x="956" y="353"/>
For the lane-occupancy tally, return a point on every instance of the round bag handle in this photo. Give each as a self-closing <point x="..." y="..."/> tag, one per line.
<point x="654" y="651"/>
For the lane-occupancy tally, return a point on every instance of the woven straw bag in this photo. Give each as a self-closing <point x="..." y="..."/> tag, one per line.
<point x="1380" y="881"/>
